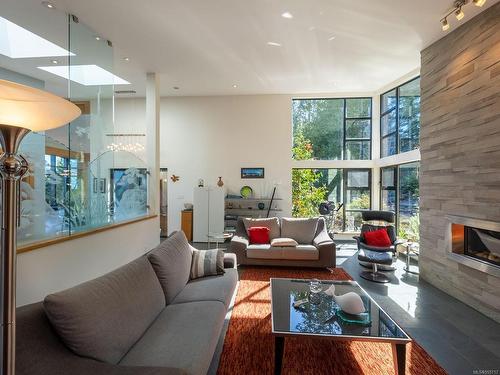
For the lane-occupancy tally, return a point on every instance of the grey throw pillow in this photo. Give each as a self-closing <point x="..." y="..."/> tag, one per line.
<point x="171" y="261"/>
<point x="272" y="223"/>
<point x="302" y="230"/>
<point x="207" y="263"/>
<point x="104" y="317"/>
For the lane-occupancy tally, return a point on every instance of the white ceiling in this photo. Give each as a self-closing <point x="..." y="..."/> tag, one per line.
<point x="205" y="47"/>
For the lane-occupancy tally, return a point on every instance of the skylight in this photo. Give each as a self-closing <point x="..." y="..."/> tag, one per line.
<point x="87" y="75"/>
<point x="17" y="42"/>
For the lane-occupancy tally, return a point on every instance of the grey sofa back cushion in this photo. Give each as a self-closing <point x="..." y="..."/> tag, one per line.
<point x="301" y="230"/>
<point x="171" y="261"/>
<point x="104" y="317"/>
<point x="272" y="223"/>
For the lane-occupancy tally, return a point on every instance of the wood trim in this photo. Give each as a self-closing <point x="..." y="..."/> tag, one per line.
<point x="53" y="241"/>
<point x="66" y="153"/>
<point x="83" y="105"/>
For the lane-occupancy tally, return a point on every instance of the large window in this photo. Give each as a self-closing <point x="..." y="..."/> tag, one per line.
<point x="352" y="187"/>
<point x="400" y="194"/>
<point x="333" y="129"/>
<point x="400" y="119"/>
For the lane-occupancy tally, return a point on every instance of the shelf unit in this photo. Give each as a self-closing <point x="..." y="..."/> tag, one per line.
<point x="247" y="207"/>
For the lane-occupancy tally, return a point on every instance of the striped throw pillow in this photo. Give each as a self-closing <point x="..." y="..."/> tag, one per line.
<point x="207" y="263"/>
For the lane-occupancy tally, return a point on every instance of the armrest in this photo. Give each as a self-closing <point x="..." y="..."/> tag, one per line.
<point x="230" y="260"/>
<point x="322" y="238"/>
<point x="240" y="241"/>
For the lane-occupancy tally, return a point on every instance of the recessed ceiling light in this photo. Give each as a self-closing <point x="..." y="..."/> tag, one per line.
<point x="126" y="59"/>
<point x="97" y="37"/>
<point x="17" y="42"/>
<point x="331" y="38"/>
<point x="287" y="15"/>
<point x="87" y="75"/>
<point x="274" y="44"/>
<point x="235" y="86"/>
<point x="176" y="87"/>
<point x="48" y="5"/>
<point x="54" y="61"/>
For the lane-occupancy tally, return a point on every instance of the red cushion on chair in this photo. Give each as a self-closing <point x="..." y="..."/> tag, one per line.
<point x="379" y="238"/>
<point x="258" y="235"/>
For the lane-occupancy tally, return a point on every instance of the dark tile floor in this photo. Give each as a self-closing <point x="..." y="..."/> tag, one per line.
<point x="459" y="338"/>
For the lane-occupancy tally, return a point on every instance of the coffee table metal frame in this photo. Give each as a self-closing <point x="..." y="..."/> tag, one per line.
<point x="398" y="344"/>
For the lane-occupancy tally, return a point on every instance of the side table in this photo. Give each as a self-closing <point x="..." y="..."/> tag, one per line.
<point x="411" y="247"/>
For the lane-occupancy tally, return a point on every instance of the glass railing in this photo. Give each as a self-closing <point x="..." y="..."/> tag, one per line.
<point x="87" y="174"/>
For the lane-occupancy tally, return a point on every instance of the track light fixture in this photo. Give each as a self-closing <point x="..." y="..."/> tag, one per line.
<point x="458" y="11"/>
<point x="444" y="24"/>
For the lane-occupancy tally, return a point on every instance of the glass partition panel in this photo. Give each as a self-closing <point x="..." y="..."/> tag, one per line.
<point x="80" y="177"/>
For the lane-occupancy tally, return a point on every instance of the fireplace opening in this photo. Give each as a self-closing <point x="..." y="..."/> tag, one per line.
<point x="479" y="243"/>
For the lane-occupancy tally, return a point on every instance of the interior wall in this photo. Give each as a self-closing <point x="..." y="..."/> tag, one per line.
<point x="208" y="137"/>
<point x="61" y="266"/>
<point x="460" y="167"/>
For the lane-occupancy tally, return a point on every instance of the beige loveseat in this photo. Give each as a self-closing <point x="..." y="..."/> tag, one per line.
<point x="315" y="247"/>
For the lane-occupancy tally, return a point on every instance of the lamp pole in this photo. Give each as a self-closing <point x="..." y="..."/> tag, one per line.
<point x="12" y="169"/>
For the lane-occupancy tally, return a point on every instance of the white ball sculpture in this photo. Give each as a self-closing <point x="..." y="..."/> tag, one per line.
<point x="350" y="303"/>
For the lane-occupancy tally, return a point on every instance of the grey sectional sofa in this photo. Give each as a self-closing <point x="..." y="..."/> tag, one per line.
<point x="315" y="247"/>
<point x="145" y="318"/>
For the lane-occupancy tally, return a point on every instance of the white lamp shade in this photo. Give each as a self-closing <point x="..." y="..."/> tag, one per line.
<point x="33" y="109"/>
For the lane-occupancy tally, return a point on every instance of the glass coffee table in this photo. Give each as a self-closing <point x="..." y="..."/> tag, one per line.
<point x="321" y="320"/>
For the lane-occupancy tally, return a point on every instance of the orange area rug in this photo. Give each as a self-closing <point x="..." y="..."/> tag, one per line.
<point x="249" y="343"/>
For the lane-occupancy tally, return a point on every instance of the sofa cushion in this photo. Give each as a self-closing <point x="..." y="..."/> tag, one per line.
<point x="302" y="230"/>
<point x="104" y="317"/>
<point x="378" y="238"/>
<point x="184" y="336"/>
<point x="258" y="235"/>
<point x="263" y="252"/>
<point x="206" y="263"/>
<point x="300" y="252"/>
<point x="171" y="261"/>
<point x="272" y="223"/>
<point x="212" y="288"/>
<point x="283" y="242"/>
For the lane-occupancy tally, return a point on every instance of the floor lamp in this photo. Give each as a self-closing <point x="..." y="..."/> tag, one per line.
<point x="22" y="109"/>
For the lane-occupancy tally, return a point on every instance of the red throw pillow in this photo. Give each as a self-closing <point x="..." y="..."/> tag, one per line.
<point x="258" y="235"/>
<point x="379" y="238"/>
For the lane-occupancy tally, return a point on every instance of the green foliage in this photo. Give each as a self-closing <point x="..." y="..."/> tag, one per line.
<point x="409" y="229"/>
<point x="322" y="122"/>
<point x="363" y="202"/>
<point x="306" y="195"/>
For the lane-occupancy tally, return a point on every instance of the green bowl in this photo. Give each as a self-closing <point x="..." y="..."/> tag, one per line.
<point x="246" y="191"/>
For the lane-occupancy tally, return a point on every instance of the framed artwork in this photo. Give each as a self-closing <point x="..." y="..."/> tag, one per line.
<point x="252" y="172"/>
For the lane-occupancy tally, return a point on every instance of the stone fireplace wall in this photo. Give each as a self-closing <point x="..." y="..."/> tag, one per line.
<point x="460" y="149"/>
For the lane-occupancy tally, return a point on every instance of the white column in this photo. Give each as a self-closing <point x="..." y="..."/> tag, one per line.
<point x="376" y="152"/>
<point x="153" y="139"/>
